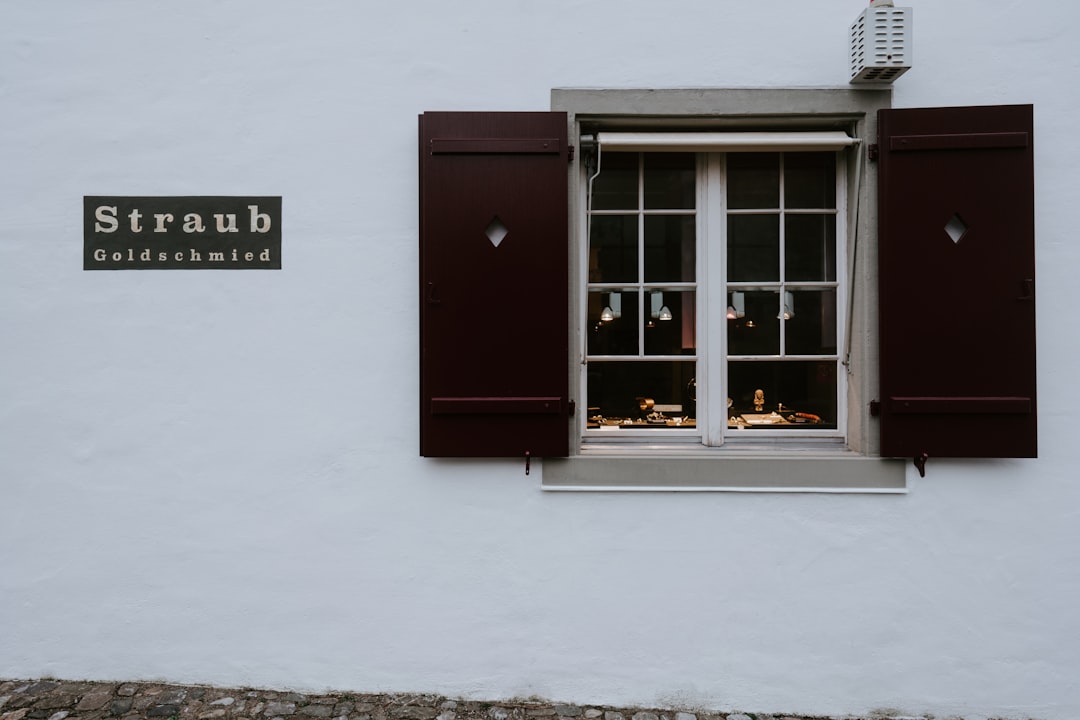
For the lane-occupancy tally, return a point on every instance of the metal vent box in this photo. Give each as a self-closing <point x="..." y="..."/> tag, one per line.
<point x="880" y="45"/>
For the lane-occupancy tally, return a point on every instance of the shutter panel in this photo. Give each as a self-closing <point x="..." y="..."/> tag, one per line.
<point x="957" y="278"/>
<point x="494" y="375"/>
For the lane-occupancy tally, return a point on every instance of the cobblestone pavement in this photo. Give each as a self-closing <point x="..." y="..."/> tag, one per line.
<point x="67" y="700"/>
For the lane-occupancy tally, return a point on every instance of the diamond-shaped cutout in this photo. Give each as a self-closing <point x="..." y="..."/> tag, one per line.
<point x="956" y="228"/>
<point x="496" y="231"/>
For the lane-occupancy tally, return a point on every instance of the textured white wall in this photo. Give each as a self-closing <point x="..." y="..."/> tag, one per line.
<point x="213" y="476"/>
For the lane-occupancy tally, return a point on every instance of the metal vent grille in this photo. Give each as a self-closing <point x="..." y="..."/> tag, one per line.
<point x="881" y="45"/>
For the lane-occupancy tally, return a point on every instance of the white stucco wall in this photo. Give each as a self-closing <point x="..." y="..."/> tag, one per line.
<point x="213" y="476"/>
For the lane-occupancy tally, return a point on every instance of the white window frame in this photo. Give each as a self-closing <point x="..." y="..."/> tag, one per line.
<point x="718" y="285"/>
<point x="767" y="463"/>
<point x="711" y="285"/>
<point x="632" y="436"/>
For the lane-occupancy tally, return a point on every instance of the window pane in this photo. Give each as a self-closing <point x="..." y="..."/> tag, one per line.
<point x="613" y="248"/>
<point x="616" y="187"/>
<point x="753" y="248"/>
<point x="805" y="389"/>
<point x="758" y="331"/>
<point x="670" y="248"/>
<point x="753" y="180"/>
<point x="619" y="334"/>
<point x="670" y="323"/>
<point x="810" y="247"/>
<point x="669" y="181"/>
<point x="810" y="180"/>
<point x="811" y="328"/>
<point x="614" y="389"/>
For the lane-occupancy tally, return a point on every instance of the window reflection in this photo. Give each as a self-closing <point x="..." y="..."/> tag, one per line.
<point x="616" y="187"/>
<point x="753" y="248"/>
<point x="670" y="248"/>
<point x="613" y="248"/>
<point x="753" y="180"/>
<point x="617" y="392"/>
<point x="810" y="247"/>
<point x="812" y="328"/>
<point x="670" y="328"/>
<point x="796" y="394"/>
<point x="757" y="331"/>
<point x="810" y="180"/>
<point x="669" y="181"/>
<point x="614" y="332"/>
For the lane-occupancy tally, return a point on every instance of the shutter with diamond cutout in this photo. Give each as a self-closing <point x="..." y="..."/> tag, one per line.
<point x="957" y="279"/>
<point x="493" y="285"/>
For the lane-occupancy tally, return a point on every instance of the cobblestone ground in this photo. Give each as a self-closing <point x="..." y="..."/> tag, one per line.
<point x="65" y="700"/>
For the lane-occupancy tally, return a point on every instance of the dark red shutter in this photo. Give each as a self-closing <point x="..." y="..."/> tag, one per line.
<point x="957" y="282"/>
<point x="494" y="362"/>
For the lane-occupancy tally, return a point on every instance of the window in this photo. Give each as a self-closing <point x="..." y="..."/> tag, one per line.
<point x="602" y="306"/>
<point x="749" y="207"/>
<point x="715" y="290"/>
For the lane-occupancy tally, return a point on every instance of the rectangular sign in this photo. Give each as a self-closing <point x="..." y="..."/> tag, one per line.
<point x="181" y="233"/>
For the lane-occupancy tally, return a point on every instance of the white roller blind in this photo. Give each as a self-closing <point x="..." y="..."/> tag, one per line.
<point x="723" y="141"/>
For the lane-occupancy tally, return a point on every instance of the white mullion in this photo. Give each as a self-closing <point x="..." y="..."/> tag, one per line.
<point x="712" y="390"/>
<point x="782" y="275"/>
<point x="585" y="198"/>
<point x="842" y="294"/>
<point x="641" y="255"/>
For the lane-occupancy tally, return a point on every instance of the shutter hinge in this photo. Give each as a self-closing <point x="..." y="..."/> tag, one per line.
<point x="572" y="408"/>
<point x="920" y="463"/>
<point x="872" y="151"/>
<point x="875" y="408"/>
<point x="569" y="153"/>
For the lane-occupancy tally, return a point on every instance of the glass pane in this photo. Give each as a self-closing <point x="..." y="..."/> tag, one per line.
<point x="613" y="248"/>
<point x="613" y="322"/>
<point x="758" y="331"/>
<point x="670" y="323"/>
<point x="669" y="181"/>
<point x="753" y="180"/>
<point x="811" y="327"/>
<point x="670" y="248"/>
<point x="810" y="180"/>
<point x="616" y="390"/>
<point x="802" y="394"/>
<point x="810" y="247"/>
<point x="753" y="248"/>
<point x="616" y="187"/>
